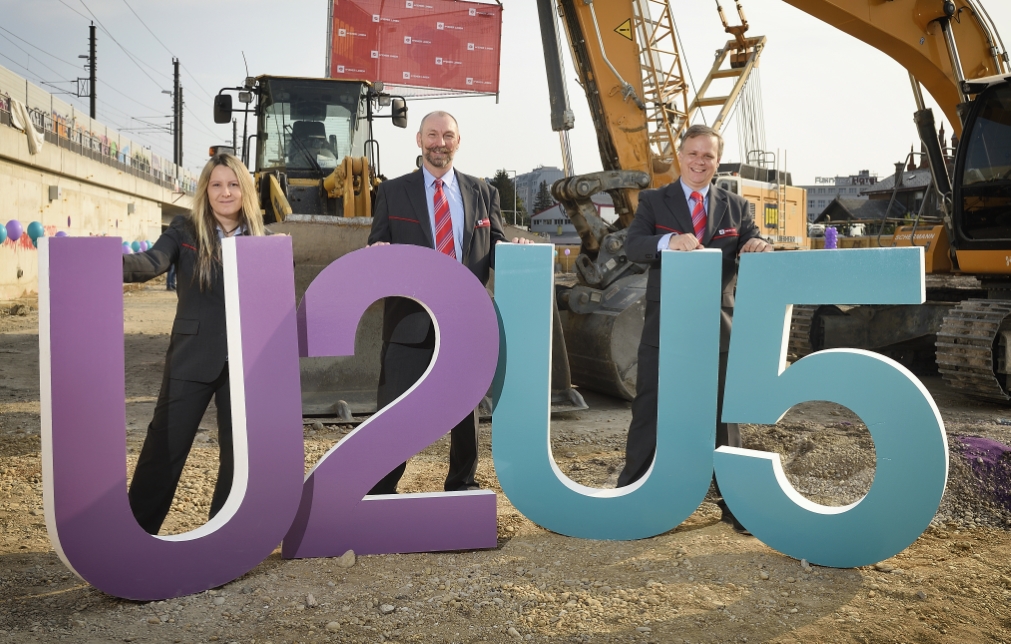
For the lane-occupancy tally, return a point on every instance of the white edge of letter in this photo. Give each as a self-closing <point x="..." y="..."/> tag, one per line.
<point x="237" y="389"/>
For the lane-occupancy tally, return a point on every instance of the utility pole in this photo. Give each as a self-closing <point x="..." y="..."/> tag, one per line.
<point x="177" y="133"/>
<point x="93" y="64"/>
<point x="179" y="120"/>
<point x="235" y="137"/>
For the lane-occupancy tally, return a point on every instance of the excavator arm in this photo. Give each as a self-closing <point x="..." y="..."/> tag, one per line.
<point x="940" y="42"/>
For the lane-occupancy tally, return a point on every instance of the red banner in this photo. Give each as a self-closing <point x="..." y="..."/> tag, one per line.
<point x="437" y="44"/>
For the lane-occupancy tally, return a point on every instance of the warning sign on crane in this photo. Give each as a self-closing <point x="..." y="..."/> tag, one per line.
<point x="425" y="44"/>
<point x="624" y="29"/>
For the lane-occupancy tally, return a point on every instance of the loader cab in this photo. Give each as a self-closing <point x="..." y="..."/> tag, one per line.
<point x="982" y="185"/>
<point x="306" y="127"/>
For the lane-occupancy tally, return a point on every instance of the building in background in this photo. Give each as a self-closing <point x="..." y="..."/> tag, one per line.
<point x="528" y="183"/>
<point x="826" y="189"/>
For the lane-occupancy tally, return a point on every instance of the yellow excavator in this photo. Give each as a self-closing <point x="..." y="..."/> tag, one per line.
<point x="639" y="106"/>
<point x="953" y="50"/>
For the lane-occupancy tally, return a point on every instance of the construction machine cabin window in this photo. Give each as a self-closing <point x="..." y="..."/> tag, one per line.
<point x="986" y="178"/>
<point x="309" y="125"/>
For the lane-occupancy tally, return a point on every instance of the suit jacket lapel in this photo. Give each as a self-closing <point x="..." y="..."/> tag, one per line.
<point x="418" y="198"/>
<point x="718" y="207"/>
<point x="469" y="193"/>
<point x="678" y="205"/>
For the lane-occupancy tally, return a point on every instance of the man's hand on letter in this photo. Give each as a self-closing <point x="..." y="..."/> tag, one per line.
<point x="684" y="242"/>
<point x="756" y="245"/>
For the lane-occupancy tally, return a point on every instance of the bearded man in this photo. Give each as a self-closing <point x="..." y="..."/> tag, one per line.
<point x="452" y="213"/>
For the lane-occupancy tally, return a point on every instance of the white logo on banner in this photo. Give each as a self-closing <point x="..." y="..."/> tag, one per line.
<point x="342" y="32"/>
<point x="438" y="61"/>
<point x="472" y="12"/>
<point x="375" y="17"/>
<point x="470" y="46"/>
<point x="407" y="75"/>
<point x="410" y="4"/>
<point x="470" y="81"/>
<point x="440" y="25"/>
<point x="407" y="40"/>
<point x="375" y="54"/>
<point x="340" y="69"/>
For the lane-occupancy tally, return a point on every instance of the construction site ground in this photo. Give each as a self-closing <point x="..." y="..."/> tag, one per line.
<point x="700" y="582"/>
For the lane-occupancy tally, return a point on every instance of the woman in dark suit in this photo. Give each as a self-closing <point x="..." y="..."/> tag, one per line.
<point x="196" y="365"/>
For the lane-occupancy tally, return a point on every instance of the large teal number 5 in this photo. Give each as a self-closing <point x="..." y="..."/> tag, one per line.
<point x="908" y="434"/>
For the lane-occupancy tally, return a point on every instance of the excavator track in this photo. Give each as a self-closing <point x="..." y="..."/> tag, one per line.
<point x="800" y="332"/>
<point x="970" y="355"/>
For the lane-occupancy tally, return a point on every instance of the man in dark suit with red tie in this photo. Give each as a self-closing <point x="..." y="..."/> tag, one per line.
<point x="685" y="215"/>
<point x="455" y="214"/>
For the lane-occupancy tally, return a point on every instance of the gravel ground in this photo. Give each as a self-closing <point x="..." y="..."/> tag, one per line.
<point x="698" y="583"/>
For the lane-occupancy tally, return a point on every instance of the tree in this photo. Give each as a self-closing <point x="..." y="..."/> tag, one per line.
<point x="507" y="197"/>
<point x="543" y="200"/>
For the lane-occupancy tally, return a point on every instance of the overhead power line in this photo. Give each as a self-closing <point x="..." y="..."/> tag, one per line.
<point x="58" y="75"/>
<point x="166" y="48"/>
<point x="153" y="34"/>
<point x="74" y="65"/>
<point x="132" y="58"/>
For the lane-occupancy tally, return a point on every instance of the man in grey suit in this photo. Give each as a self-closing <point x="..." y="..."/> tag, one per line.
<point x="685" y="215"/>
<point x="455" y="214"/>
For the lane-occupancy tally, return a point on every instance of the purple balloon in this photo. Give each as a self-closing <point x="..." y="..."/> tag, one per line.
<point x="143" y="246"/>
<point x="60" y="233"/>
<point x="831" y="238"/>
<point x="14" y="230"/>
<point x="126" y="248"/>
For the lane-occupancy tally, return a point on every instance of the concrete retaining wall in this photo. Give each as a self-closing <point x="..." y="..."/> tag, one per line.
<point x="95" y="199"/>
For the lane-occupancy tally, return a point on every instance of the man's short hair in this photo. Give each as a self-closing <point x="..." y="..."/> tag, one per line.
<point x="702" y="130"/>
<point x="421" y="128"/>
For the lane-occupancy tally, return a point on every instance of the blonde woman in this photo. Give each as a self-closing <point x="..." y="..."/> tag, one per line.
<point x="196" y="365"/>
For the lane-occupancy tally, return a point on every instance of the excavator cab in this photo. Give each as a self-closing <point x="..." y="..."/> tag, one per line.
<point x="982" y="186"/>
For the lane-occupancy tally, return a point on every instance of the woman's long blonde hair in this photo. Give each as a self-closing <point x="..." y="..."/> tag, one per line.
<point x="205" y="225"/>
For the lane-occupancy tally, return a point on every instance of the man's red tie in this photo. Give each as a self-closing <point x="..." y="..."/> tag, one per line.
<point x="698" y="215"/>
<point x="443" y="222"/>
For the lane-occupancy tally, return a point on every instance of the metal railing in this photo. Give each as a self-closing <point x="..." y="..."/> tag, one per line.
<point x="65" y="134"/>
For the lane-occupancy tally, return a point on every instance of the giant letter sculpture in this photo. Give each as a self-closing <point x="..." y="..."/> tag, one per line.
<point x="908" y="434"/>
<point x="83" y="420"/>
<point x="335" y="514"/>
<point x="683" y="466"/>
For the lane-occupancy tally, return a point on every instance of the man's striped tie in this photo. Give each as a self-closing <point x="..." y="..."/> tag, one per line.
<point x="698" y="215"/>
<point x="443" y="222"/>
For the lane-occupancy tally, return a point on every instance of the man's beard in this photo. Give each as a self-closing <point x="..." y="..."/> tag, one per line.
<point x="438" y="162"/>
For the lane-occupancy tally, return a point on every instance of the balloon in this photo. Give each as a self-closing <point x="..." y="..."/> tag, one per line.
<point x="143" y="246"/>
<point x="14" y="230"/>
<point x="3" y="234"/>
<point x="135" y="246"/>
<point x="35" y="230"/>
<point x="126" y="248"/>
<point x="61" y="233"/>
<point x="831" y="238"/>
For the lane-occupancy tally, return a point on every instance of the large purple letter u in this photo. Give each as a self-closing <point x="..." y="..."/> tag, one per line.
<point x="83" y="420"/>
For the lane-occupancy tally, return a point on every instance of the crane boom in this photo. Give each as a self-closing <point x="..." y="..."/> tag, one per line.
<point x="926" y="37"/>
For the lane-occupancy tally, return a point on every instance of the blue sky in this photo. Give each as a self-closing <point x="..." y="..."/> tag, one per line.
<point x="832" y="104"/>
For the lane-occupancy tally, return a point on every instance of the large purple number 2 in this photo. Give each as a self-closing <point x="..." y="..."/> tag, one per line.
<point x="335" y="514"/>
